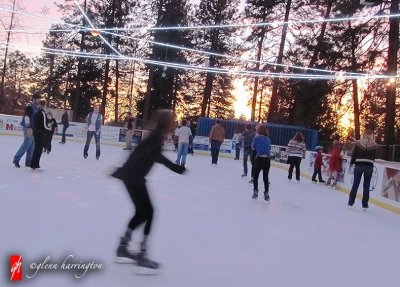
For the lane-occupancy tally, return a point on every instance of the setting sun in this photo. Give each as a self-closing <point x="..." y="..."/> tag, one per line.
<point x="242" y="96"/>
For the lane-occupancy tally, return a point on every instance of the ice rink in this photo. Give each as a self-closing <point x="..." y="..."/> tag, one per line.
<point x="207" y="230"/>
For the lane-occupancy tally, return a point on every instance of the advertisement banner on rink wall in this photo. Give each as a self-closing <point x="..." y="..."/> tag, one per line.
<point x="391" y="184"/>
<point x="10" y="124"/>
<point x="202" y="143"/>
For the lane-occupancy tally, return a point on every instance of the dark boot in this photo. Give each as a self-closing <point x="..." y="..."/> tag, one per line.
<point x="142" y="259"/>
<point x="123" y="254"/>
<point x="255" y="194"/>
<point x="266" y="196"/>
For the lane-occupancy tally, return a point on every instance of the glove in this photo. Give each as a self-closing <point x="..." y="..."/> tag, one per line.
<point x="178" y="168"/>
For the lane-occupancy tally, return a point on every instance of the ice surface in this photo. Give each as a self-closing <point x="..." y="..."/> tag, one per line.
<point x="207" y="230"/>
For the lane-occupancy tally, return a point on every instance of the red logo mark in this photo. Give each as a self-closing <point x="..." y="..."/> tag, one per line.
<point x="15" y="267"/>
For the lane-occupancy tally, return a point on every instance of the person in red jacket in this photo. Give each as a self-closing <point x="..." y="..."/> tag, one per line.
<point x="335" y="164"/>
<point x="318" y="165"/>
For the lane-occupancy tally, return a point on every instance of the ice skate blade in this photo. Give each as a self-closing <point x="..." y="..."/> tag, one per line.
<point x="124" y="260"/>
<point x="145" y="271"/>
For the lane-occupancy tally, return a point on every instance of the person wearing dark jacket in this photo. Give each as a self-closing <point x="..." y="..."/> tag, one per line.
<point x="39" y="129"/>
<point x="133" y="174"/>
<point x="65" y="123"/>
<point x="246" y="139"/>
<point x="28" y="145"/>
<point x="48" y="136"/>
<point x="363" y="157"/>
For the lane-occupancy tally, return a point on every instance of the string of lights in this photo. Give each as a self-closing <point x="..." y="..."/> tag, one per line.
<point x="105" y="31"/>
<point x="243" y="25"/>
<point x="70" y="53"/>
<point x="341" y="75"/>
<point x="188" y="49"/>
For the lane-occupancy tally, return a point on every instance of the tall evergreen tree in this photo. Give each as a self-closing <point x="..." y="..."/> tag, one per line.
<point x="218" y="40"/>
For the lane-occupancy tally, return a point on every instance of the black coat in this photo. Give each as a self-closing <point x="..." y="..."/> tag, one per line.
<point x="142" y="159"/>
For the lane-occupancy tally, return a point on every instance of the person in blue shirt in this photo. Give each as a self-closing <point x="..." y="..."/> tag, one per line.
<point x="262" y="162"/>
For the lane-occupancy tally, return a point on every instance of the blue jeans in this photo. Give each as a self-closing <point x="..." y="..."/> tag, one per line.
<point x="27" y="146"/>
<point x="359" y="170"/>
<point x="237" y="151"/>
<point x="182" y="153"/>
<point x="89" y="136"/>
<point x="215" y="146"/>
<point x="246" y="154"/>
<point x="63" y="133"/>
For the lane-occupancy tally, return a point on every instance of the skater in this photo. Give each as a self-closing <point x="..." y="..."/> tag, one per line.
<point x="28" y="145"/>
<point x="217" y="136"/>
<point x="65" y="123"/>
<point x="40" y="128"/>
<point x="48" y="135"/>
<point x="93" y="121"/>
<point x="296" y="150"/>
<point x="133" y="174"/>
<point x="318" y="165"/>
<point x="184" y="135"/>
<point x="191" y="148"/>
<point x="262" y="162"/>
<point x="129" y="126"/>
<point x="236" y="143"/>
<point x="175" y="136"/>
<point x="363" y="157"/>
<point x="246" y="139"/>
<point x="335" y="164"/>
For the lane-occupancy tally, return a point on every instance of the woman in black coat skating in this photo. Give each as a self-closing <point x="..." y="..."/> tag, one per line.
<point x="133" y="174"/>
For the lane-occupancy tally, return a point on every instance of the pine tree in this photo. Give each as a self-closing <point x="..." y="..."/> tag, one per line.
<point x="215" y="12"/>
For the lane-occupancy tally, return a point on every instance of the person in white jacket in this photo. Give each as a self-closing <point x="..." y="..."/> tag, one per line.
<point x="236" y="143"/>
<point x="183" y="134"/>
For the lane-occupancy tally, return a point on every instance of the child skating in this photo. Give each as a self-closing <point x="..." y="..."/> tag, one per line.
<point x="133" y="174"/>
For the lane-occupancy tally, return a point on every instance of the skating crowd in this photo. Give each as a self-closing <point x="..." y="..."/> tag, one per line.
<point x="39" y="128"/>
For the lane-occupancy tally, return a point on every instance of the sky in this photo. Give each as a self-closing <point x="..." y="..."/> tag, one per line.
<point x="207" y="231"/>
<point x="48" y="9"/>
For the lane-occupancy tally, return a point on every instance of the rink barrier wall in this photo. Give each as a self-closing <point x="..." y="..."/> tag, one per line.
<point x="385" y="183"/>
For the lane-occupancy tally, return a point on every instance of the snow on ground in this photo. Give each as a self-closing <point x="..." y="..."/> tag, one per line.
<point x="207" y="230"/>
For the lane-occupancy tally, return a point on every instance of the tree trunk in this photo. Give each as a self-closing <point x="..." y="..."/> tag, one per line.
<point x="273" y="104"/>
<point x="207" y="93"/>
<point x="110" y="23"/>
<point x="3" y="75"/>
<point x="260" y="105"/>
<point x="116" y="91"/>
<point x="390" y="119"/>
<point x="147" y="99"/>
<point x="132" y="81"/>
<point x="356" y="107"/>
<point x="77" y="92"/>
<point x="256" y="79"/>
<point x="356" y="110"/>
<point x="292" y="118"/>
